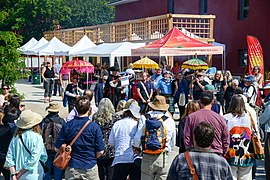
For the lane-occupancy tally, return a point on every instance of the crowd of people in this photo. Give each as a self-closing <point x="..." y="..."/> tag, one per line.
<point x="132" y="133"/>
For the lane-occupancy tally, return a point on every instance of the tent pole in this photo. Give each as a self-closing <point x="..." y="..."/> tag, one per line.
<point x="87" y="80"/>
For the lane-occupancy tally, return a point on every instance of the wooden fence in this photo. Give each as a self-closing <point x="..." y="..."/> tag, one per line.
<point x="145" y="29"/>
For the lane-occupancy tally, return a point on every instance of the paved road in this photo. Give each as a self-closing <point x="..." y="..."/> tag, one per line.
<point x="34" y="101"/>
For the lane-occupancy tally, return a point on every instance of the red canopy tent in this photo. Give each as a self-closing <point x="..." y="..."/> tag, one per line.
<point x="176" y="43"/>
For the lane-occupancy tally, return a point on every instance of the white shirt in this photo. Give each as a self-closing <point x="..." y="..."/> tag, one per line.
<point x="169" y="124"/>
<point x="74" y="113"/>
<point x="120" y="138"/>
<point x="250" y="92"/>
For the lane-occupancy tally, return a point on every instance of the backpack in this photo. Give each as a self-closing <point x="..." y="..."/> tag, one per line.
<point x="154" y="136"/>
<point x="50" y="134"/>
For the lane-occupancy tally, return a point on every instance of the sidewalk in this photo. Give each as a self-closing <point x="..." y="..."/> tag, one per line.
<point x="34" y="98"/>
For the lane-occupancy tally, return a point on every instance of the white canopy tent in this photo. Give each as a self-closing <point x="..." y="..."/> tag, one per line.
<point x="112" y="50"/>
<point x="31" y="43"/>
<point x="40" y="43"/>
<point x="83" y="44"/>
<point x="53" y="47"/>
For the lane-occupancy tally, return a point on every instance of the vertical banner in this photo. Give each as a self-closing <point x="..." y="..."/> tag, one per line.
<point x="255" y="54"/>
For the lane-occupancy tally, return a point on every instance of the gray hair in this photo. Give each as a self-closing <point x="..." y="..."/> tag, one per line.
<point x="105" y="112"/>
<point x="235" y="82"/>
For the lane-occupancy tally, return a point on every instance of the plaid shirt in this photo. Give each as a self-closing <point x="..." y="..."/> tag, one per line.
<point x="208" y="166"/>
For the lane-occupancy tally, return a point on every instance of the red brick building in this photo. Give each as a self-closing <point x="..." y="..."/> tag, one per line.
<point x="235" y="19"/>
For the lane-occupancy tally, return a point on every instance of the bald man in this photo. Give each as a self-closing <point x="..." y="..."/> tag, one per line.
<point x="89" y="94"/>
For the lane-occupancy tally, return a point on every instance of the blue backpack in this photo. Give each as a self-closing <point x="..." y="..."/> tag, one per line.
<point x="154" y="136"/>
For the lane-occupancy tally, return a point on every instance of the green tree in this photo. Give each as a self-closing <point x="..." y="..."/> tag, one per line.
<point x="88" y="13"/>
<point x="11" y="63"/>
<point x="30" y="18"/>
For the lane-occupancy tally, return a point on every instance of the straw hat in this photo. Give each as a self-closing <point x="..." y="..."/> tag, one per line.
<point x="159" y="104"/>
<point x="28" y="119"/>
<point x="53" y="107"/>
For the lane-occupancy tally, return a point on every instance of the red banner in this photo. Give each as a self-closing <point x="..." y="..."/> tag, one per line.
<point x="255" y="54"/>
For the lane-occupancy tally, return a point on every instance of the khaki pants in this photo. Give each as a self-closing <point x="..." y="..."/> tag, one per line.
<point x="242" y="173"/>
<point x="63" y="87"/>
<point x="155" y="167"/>
<point x="89" y="174"/>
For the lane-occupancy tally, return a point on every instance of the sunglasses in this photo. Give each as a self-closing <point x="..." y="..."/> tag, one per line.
<point x="199" y="75"/>
<point x="48" y="63"/>
<point x="5" y="88"/>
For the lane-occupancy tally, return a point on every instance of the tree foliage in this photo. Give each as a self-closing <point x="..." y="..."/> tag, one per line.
<point x="30" y="18"/>
<point x="88" y="13"/>
<point x="11" y="63"/>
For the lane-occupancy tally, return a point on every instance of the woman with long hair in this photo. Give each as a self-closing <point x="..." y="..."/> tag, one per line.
<point x="239" y="126"/>
<point x="220" y="86"/>
<point x="121" y="136"/>
<point x="228" y="78"/>
<point x="104" y="118"/>
<point x="258" y="76"/>
<point x="26" y="151"/>
<point x="191" y="107"/>
<point x="12" y="112"/>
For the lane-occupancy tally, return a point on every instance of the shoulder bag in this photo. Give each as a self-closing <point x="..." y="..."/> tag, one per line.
<point x="45" y="168"/>
<point x="257" y="145"/>
<point x="63" y="157"/>
<point x="190" y="166"/>
<point x="144" y="88"/>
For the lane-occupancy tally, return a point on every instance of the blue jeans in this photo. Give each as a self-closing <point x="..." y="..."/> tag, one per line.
<point x="58" y="173"/>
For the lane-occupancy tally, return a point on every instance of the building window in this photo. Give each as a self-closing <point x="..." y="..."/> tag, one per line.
<point x="171" y="6"/>
<point x="243" y="57"/>
<point x="203" y="6"/>
<point x="243" y="9"/>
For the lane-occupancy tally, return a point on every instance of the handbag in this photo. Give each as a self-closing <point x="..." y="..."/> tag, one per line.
<point x="63" y="157"/>
<point x="182" y="99"/>
<point x="257" y="145"/>
<point x="190" y="166"/>
<point x="45" y="168"/>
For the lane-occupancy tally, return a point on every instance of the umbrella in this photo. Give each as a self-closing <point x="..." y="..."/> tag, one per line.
<point x="195" y="64"/>
<point x="145" y="63"/>
<point x="79" y="65"/>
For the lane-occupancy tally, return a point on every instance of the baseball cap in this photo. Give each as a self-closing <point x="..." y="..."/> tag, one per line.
<point x="206" y="97"/>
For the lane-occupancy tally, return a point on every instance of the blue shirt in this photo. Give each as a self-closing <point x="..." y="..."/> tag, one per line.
<point x="18" y="156"/>
<point x="182" y="88"/>
<point x="165" y="87"/>
<point x="155" y="78"/>
<point x="85" y="148"/>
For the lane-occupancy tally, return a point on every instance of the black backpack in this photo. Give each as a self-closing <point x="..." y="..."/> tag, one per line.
<point x="51" y="130"/>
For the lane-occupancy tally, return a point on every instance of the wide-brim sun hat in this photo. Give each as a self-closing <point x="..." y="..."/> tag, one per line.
<point x="159" y="104"/>
<point x="134" y="109"/>
<point x="28" y="119"/>
<point x="53" y="107"/>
